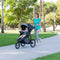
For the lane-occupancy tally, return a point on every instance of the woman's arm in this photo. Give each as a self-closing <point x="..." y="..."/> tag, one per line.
<point x="39" y="23"/>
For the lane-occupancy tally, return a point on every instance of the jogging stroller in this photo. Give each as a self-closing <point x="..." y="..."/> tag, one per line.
<point x="27" y="39"/>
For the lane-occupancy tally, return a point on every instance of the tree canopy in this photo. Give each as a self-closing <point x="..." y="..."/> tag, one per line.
<point x="49" y="18"/>
<point x="21" y="11"/>
<point x="18" y="10"/>
<point x="58" y="13"/>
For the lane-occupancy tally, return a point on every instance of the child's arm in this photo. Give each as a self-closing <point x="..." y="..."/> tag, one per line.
<point x="23" y="36"/>
<point x="20" y="36"/>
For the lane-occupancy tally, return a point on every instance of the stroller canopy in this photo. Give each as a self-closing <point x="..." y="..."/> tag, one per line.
<point x="29" y="26"/>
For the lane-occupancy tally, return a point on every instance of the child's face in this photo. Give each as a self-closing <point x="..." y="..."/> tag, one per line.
<point x="27" y="29"/>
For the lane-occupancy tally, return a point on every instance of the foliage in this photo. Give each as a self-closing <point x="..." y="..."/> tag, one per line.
<point x="20" y="10"/>
<point x="58" y="13"/>
<point x="10" y="20"/>
<point x="48" y="7"/>
<point x="49" y="18"/>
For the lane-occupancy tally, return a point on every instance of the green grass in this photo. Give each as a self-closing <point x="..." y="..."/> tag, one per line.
<point x="55" y="56"/>
<point x="45" y="34"/>
<point x="9" y="39"/>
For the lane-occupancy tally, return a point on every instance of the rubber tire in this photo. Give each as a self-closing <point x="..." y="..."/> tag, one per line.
<point x="33" y="43"/>
<point x="22" y="45"/>
<point x="17" y="47"/>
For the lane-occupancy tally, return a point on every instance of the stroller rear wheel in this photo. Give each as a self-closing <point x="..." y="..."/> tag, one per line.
<point x="22" y="44"/>
<point x="17" y="45"/>
<point x="32" y="43"/>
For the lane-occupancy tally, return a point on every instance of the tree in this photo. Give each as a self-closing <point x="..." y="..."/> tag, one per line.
<point x="0" y="17"/>
<point x="44" y="28"/>
<point x="48" y="7"/>
<point x="20" y="8"/>
<point x="58" y="13"/>
<point x="50" y="19"/>
<point x="10" y="20"/>
<point x="2" y="25"/>
<point x="40" y="8"/>
<point x="33" y="11"/>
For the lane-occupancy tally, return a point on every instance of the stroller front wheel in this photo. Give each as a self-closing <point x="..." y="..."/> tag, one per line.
<point x="32" y="43"/>
<point x="17" y="45"/>
<point x="22" y="44"/>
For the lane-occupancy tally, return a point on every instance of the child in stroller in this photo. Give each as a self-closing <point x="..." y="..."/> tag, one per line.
<point x="25" y="36"/>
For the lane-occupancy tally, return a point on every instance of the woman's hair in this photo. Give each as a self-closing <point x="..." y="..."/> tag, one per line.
<point x="37" y="15"/>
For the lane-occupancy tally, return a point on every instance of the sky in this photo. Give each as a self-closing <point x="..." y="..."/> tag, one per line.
<point x="49" y="1"/>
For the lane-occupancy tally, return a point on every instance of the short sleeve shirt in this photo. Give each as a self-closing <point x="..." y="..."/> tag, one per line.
<point x="36" y="21"/>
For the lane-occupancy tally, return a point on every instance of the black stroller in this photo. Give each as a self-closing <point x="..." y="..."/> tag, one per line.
<point x="27" y="39"/>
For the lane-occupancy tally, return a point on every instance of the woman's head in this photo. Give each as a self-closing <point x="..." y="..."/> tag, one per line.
<point x="36" y="15"/>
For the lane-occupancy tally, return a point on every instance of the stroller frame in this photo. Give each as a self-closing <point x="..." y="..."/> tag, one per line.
<point x="22" y="43"/>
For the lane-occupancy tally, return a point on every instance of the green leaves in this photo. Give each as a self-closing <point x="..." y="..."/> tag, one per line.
<point x="58" y="13"/>
<point x="49" y="6"/>
<point x="11" y="17"/>
<point x="49" y="18"/>
<point x="18" y="11"/>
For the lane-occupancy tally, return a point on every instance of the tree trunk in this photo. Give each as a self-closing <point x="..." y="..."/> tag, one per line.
<point x="33" y="11"/>
<point x="20" y="18"/>
<point x="53" y="27"/>
<point x="2" y="25"/>
<point x="43" y="18"/>
<point x="40" y="9"/>
<point x="19" y="23"/>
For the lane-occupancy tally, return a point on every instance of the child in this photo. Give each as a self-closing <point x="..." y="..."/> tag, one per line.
<point x="24" y="34"/>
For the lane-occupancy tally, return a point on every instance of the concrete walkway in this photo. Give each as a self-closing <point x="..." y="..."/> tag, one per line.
<point x="47" y="46"/>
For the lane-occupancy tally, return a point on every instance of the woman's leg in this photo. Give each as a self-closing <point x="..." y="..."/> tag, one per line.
<point x="36" y="34"/>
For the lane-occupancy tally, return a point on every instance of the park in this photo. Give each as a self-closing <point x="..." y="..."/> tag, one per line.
<point x="14" y="13"/>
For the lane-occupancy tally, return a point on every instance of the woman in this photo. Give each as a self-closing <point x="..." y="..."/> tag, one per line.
<point x="37" y="23"/>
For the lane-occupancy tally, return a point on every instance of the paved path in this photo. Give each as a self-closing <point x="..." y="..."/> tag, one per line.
<point x="47" y="46"/>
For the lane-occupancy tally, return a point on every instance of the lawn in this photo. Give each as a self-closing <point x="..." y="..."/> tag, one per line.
<point x="55" y="56"/>
<point x="10" y="38"/>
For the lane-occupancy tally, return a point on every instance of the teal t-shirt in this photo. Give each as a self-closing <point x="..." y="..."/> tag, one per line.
<point x="36" y="21"/>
